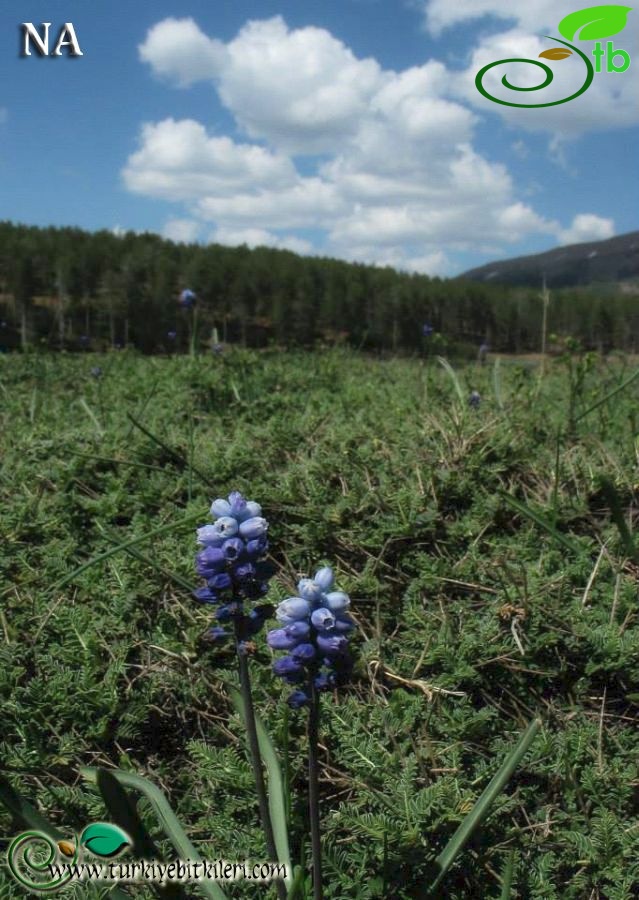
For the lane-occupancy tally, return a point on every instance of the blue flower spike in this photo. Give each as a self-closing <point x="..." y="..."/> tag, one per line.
<point x="232" y="562"/>
<point x="313" y="632"/>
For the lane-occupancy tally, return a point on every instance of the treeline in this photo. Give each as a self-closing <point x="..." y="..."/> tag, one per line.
<point x="64" y="287"/>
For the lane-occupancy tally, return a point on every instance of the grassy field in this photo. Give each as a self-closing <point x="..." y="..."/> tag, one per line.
<point x="489" y="554"/>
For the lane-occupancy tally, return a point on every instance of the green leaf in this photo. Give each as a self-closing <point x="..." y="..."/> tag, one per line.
<point x="297" y="885"/>
<point x="28" y="817"/>
<point x="616" y="511"/>
<point x="539" y="520"/>
<point x="104" y="839"/>
<point x="608" y="396"/>
<point x="594" y="22"/>
<point x="106" y="554"/>
<point x="168" y="820"/>
<point x="481" y="809"/>
<point x="25" y="814"/>
<point x="276" y="794"/>
<point x="453" y="377"/>
<point x="507" y="877"/>
<point x="123" y="812"/>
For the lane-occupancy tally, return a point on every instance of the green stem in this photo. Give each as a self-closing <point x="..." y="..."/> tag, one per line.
<point x="313" y="789"/>
<point x="256" y="759"/>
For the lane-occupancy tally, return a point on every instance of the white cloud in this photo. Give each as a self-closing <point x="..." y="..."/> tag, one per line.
<point x="178" y="160"/>
<point x="398" y="182"/>
<point x="309" y="202"/>
<point x="260" y="237"/>
<point x="302" y="90"/>
<point x="177" y="50"/>
<point x="182" y="231"/>
<point x="587" y="227"/>
<point x="436" y="263"/>
<point x="534" y="15"/>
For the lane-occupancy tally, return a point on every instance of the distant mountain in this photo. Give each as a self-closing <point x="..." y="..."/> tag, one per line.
<point x="577" y="265"/>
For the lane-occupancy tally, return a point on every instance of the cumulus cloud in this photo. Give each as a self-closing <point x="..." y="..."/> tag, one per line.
<point x="179" y="51"/>
<point x="260" y="237"/>
<point x="533" y="15"/>
<point x="178" y="160"/>
<point x="182" y="231"/>
<point x="587" y="227"/>
<point x="380" y="163"/>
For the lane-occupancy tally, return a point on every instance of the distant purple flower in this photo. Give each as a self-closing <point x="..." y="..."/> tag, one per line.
<point x="315" y="625"/>
<point x="474" y="400"/>
<point x="171" y="335"/>
<point x="187" y="299"/>
<point x="84" y="339"/>
<point x="427" y="329"/>
<point x="217" y="349"/>
<point x="96" y="371"/>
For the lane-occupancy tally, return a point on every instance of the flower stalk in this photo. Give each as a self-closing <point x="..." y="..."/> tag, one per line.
<point x="313" y="788"/>
<point x="256" y="758"/>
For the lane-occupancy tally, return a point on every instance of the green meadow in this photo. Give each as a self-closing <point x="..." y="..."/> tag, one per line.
<point x="491" y="560"/>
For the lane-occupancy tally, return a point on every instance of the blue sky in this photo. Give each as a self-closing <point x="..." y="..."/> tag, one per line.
<point x="348" y="129"/>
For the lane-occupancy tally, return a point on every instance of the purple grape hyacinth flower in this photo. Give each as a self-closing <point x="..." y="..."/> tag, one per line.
<point x="187" y="299"/>
<point x="315" y="625"/>
<point x="232" y="562"/>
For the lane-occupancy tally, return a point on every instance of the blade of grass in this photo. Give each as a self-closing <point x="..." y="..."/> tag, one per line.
<point x="167" y="818"/>
<point x="124" y="813"/>
<point x="507" y="877"/>
<point x="297" y="884"/>
<point x="608" y="396"/>
<point x="174" y="454"/>
<point x="153" y="564"/>
<point x="276" y="792"/>
<point x="538" y="519"/>
<point x="497" y="383"/>
<point x="85" y="406"/>
<point x="106" y="554"/>
<point x="141" y="411"/>
<point x="113" y="459"/>
<point x="28" y="817"/>
<point x="453" y="375"/>
<point x="481" y="809"/>
<point x="612" y="499"/>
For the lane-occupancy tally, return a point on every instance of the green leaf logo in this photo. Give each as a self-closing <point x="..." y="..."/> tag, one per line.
<point x="104" y="839"/>
<point x="594" y="23"/>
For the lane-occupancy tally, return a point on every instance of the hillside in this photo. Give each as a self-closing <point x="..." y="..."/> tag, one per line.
<point x="576" y="265"/>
